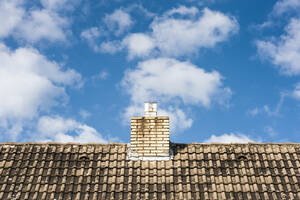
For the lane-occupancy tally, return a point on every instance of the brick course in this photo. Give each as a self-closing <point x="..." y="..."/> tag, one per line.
<point x="150" y="136"/>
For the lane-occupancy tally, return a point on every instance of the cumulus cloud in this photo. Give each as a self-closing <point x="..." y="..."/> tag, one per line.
<point x="12" y="11"/>
<point x="58" y="129"/>
<point x="164" y="79"/>
<point x="29" y="84"/>
<point x="173" y="36"/>
<point x="46" y="25"/>
<point x="182" y="10"/>
<point x="179" y="121"/>
<point x="118" y="22"/>
<point x="90" y="34"/>
<point x="284" y="6"/>
<point x="167" y="80"/>
<point x="177" y="32"/>
<point x="281" y="8"/>
<point x="283" y="52"/>
<point x="138" y="45"/>
<point x="229" y="138"/>
<point x="47" y="21"/>
<point x="110" y="47"/>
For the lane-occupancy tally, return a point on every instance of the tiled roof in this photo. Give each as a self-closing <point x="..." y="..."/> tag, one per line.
<point x="197" y="171"/>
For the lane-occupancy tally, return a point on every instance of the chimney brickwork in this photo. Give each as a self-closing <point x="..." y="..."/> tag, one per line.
<point x="150" y="136"/>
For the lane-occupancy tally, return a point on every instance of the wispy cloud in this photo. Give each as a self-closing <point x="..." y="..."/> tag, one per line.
<point x="84" y="113"/>
<point x="270" y="131"/>
<point x="267" y="110"/>
<point x="296" y="92"/>
<point x="103" y="75"/>
<point x="253" y="112"/>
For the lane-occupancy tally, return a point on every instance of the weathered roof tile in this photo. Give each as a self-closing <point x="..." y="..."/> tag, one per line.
<point x="98" y="171"/>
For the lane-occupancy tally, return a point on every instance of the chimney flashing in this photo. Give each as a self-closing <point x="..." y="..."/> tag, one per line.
<point x="135" y="157"/>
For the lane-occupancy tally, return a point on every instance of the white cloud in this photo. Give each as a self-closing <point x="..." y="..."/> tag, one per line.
<point x="90" y="34"/>
<point x="183" y="36"/>
<point x="276" y="110"/>
<point x="254" y="111"/>
<point x="170" y="81"/>
<point x="138" y="45"/>
<point x="110" y="47"/>
<point x="84" y="113"/>
<point x="58" y="5"/>
<point x="103" y="75"/>
<point x="296" y="92"/>
<point x="59" y="129"/>
<point x="179" y="121"/>
<point x="12" y="12"/>
<point x="229" y="138"/>
<point x="30" y="83"/>
<point x="138" y="8"/>
<point x="130" y="42"/>
<point x="284" y="51"/>
<point x="118" y="22"/>
<point x="46" y="25"/>
<point x="182" y="10"/>
<point x="178" y="32"/>
<point x="47" y="22"/>
<point x="283" y="6"/>
<point x="266" y="108"/>
<point x="270" y="131"/>
<point x="164" y="79"/>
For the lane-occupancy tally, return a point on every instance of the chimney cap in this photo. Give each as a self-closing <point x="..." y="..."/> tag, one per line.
<point x="150" y="109"/>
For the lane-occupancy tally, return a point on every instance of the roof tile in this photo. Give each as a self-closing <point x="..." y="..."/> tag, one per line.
<point x="98" y="171"/>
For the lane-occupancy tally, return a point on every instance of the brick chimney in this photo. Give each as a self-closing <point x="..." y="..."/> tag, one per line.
<point x="150" y="136"/>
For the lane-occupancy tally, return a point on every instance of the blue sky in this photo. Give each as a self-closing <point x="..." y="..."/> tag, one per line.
<point x="77" y="71"/>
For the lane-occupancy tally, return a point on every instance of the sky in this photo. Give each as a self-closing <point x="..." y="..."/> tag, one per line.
<point x="222" y="70"/>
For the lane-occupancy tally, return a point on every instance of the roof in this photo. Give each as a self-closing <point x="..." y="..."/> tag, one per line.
<point x="197" y="171"/>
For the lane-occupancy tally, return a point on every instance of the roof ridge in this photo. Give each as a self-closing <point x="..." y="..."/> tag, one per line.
<point x="114" y="143"/>
<point x="59" y="143"/>
<point x="254" y="143"/>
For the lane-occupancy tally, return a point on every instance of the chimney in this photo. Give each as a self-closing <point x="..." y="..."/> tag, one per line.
<point x="150" y="136"/>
